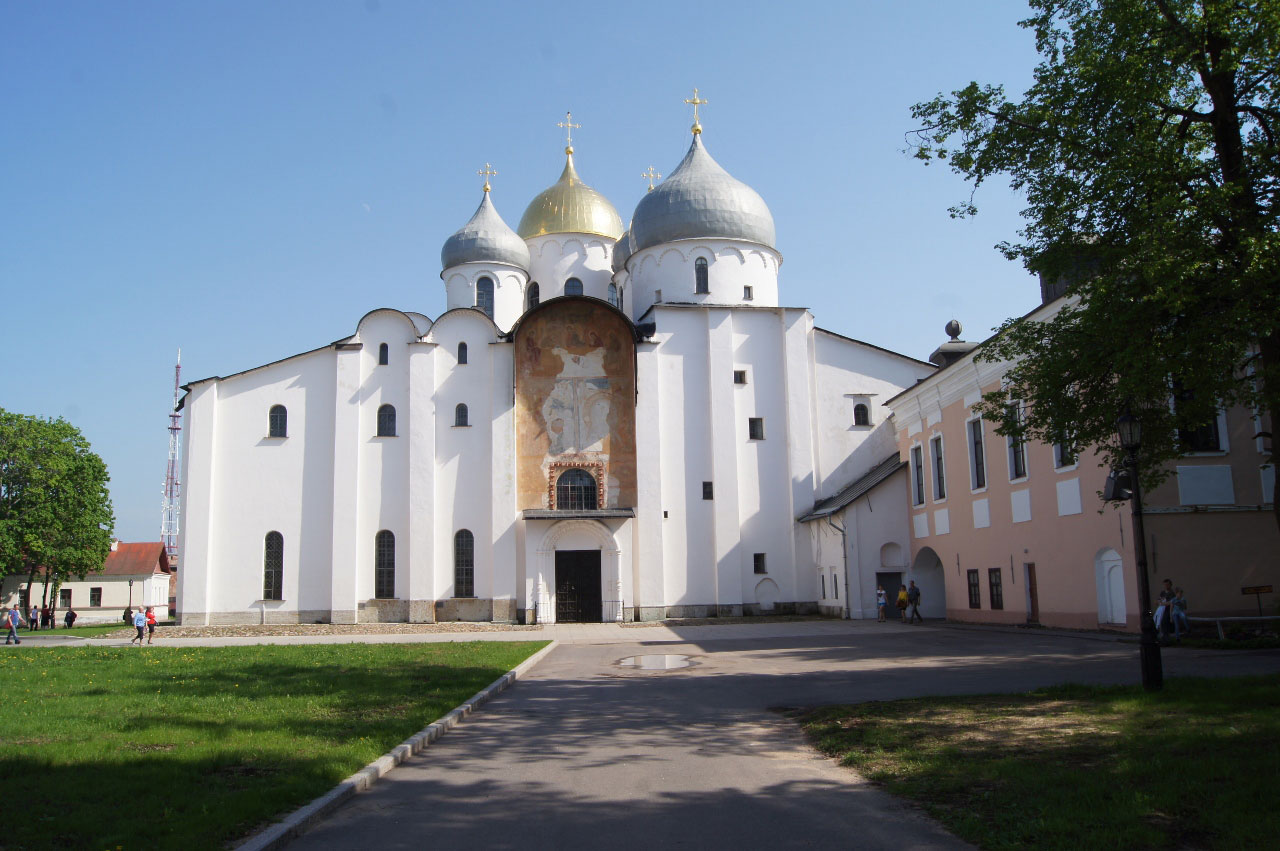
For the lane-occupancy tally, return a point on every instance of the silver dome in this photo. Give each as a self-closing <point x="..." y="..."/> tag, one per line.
<point x="485" y="239"/>
<point x="622" y="251"/>
<point x="701" y="199"/>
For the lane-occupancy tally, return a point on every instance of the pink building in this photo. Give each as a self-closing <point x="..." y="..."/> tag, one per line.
<point x="1017" y="533"/>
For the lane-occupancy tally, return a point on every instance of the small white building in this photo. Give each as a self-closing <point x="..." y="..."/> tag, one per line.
<point x="604" y="425"/>
<point x="134" y="575"/>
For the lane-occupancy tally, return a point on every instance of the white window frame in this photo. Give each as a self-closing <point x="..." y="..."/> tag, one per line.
<point x="917" y="475"/>
<point x="938" y="466"/>
<point x="1013" y="445"/>
<point x="973" y="467"/>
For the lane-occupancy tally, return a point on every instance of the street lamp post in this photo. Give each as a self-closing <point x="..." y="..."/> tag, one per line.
<point x="131" y="593"/>
<point x="1130" y="429"/>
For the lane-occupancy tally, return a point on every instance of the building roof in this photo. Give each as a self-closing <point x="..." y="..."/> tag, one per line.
<point x="874" y="476"/>
<point x="135" y="560"/>
<point x="570" y="206"/>
<point x="485" y="239"/>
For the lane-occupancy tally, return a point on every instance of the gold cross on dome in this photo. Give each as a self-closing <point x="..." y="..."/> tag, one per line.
<point x="697" y="102"/>
<point x="651" y="175"/>
<point x="487" y="172"/>
<point x="569" y="127"/>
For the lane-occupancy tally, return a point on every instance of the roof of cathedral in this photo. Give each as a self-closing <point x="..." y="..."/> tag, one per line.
<point x="698" y="200"/>
<point x="570" y="206"/>
<point x="622" y="251"/>
<point x="485" y="239"/>
<point x="867" y="481"/>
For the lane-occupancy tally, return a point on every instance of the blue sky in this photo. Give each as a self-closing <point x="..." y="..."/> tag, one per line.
<point x="244" y="180"/>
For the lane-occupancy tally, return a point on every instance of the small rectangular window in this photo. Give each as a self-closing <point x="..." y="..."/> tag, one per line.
<point x="917" y="474"/>
<point x="1064" y="454"/>
<point x="939" y="476"/>
<point x="64" y="598"/>
<point x="755" y="428"/>
<point x="994" y="585"/>
<point x="977" y="457"/>
<point x="975" y="591"/>
<point x="748" y="293"/>
<point x="739" y="376"/>
<point x="657" y="296"/>
<point x="758" y="560"/>
<point x="95" y="598"/>
<point x="708" y="491"/>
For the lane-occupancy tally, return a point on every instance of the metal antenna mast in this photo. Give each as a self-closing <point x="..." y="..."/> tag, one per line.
<point x="172" y="487"/>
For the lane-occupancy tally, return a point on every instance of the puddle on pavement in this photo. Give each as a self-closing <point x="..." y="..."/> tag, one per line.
<point x="658" y="662"/>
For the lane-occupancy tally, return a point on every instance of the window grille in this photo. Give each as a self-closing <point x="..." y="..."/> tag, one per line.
<point x="484" y="296"/>
<point x="273" y="567"/>
<point x="700" y="282"/>
<point x="460" y="416"/>
<point x="975" y="591"/>
<point x="576" y="491"/>
<point x="384" y="565"/>
<point x="861" y="415"/>
<point x="464" y="564"/>
<point x="278" y="422"/>
<point x="994" y="583"/>
<point x="613" y="295"/>
<point x="386" y="421"/>
<point x="535" y="295"/>
<point x="95" y="598"/>
<point x="573" y="287"/>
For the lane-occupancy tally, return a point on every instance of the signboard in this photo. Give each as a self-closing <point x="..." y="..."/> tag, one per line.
<point x="1256" y="589"/>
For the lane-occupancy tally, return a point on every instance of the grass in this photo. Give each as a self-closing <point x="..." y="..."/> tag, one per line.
<point x="120" y="747"/>
<point x="1194" y="766"/>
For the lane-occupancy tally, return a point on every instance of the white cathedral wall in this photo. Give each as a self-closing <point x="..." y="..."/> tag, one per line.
<point x="731" y="266"/>
<point x="509" y="285"/>
<point x="557" y="257"/>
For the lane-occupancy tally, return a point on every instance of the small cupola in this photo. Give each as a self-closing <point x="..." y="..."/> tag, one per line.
<point x="954" y="349"/>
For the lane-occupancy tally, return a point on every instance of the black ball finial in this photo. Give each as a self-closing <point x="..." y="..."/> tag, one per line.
<point x="953" y="329"/>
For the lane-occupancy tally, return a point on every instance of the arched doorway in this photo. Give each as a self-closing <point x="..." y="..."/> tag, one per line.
<point x="579" y="579"/>
<point x="1108" y="569"/>
<point x="929" y="576"/>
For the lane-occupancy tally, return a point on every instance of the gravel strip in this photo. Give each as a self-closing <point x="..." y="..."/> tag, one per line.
<point x="259" y="630"/>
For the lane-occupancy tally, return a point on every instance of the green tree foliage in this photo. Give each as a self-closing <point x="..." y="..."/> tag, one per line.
<point x="1147" y="151"/>
<point x="55" y="511"/>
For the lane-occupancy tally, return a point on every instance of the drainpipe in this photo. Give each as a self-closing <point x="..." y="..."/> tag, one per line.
<point x="844" y="552"/>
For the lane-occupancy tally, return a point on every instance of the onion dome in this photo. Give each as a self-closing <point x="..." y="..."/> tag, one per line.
<point x="485" y="239"/>
<point x="622" y="251"/>
<point x="570" y="206"/>
<point x="701" y="200"/>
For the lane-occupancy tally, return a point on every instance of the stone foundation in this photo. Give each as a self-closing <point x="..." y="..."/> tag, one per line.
<point x="384" y="611"/>
<point x="504" y="611"/>
<point x="464" y="609"/>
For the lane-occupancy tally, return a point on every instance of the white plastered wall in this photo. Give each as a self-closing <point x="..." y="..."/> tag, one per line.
<point x="557" y="257"/>
<point x="731" y="266"/>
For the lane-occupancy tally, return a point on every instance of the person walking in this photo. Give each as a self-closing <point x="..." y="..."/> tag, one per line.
<point x="151" y="624"/>
<point x="902" y="603"/>
<point x="70" y="618"/>
<point x="46" y="619"/>
<point x="33" y="621"/>
<point x="913" y="597"/>
<point x="13" y="620"/>
<point x="140" y="624"/>
<point x="882" y="603"/>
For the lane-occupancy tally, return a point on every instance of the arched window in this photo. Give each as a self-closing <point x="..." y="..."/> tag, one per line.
<point x="484" y="296"/>
<point x="535" y="295"/>
<point x="613" y="295"/>
<point x="386" y="421"/>
<point x="383" y="358"/>
<point x="573" y="287"/>
<point x="460" y="415"/>
<point x="700" y="284"/>
<point x="462" y="353"/>
<point x="464" y="564"/>
<point x="576" y="491"/>
<point x="861" y="416"/>
<point x="384" y="565"/>
<point x="273" y="567"/>
<point x="278" y="422"/>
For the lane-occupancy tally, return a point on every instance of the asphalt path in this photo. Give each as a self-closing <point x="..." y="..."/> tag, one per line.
<point x="586" y="753"/>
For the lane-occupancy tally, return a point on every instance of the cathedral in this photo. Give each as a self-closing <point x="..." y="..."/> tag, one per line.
<point x="606" y="424"/>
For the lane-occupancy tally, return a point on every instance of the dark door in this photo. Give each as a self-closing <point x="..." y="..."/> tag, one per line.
<point x="1033" y="602"/>
<point x="578" y="598"/>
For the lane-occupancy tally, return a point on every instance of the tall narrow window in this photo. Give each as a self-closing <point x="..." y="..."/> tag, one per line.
<point x="460" y="416"/>
<point x="823" y="579"/>
<point x="95" y="598"/>
<point x="535" y="295"/>
<point x="939" y="471"/>
<point x="384" y="565"/>
<point x="273" y="567"/>
<point x="613" y="295"/>
<point x="576" y="491"/>
<point x="573" y="287"/>
<point x="861" y="415"/>
<point x="1017" y="448"/>
<point x="700" y="283"/>
<point x="484" y="296"/>
<point x="464" y="564"/>
<point x="386" y="421"/>
<point x="835" y="583"/>
<point x="384" y="355"/>
<point x="462" y="353"/>
<point x="975" y="590"/>
<point x="996" y="587"/>
<point x="977" y="456"/>
<point x="657" y="296"/>
<point x="917" y="475"/>
<point x="278" y="422"/>
<point x="1064" y="453"/>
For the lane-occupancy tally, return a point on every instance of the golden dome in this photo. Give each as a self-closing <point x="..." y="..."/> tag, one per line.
<point x="570" y="206"/>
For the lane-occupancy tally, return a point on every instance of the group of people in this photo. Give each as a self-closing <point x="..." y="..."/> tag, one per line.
<point x="41" y="617"/>
<point x="1171" y="613"/>
<point x="908" y="597"/>
<point x="144" y="621"/>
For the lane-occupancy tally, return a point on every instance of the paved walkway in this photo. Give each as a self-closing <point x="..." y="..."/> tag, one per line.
<point x="585" y="753"/>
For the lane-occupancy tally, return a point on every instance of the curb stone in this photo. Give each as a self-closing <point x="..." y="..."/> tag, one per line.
<point x="279" y="834"/>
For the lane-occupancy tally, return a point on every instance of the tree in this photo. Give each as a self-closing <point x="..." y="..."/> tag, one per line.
<point x="1147" y="151"/>
<point x="55" y="511"/>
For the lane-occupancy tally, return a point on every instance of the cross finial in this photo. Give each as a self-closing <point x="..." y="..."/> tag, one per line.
<point x="487" y="172"/>
<point x="569" y="127"/>
<point x="697" y="102"/>
<point x="651" y="175"/>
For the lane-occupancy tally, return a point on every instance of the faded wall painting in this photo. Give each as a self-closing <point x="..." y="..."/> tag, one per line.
<point x="575" y="402"/>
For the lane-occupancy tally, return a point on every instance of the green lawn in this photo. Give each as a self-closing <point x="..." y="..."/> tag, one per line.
<point x="162" y="747"/>
<point x="1194" y="766"/>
